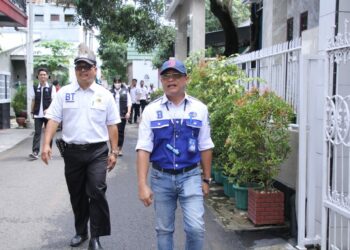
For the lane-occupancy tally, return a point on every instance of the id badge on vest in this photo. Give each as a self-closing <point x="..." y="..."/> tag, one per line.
<point x="191" y="147"/>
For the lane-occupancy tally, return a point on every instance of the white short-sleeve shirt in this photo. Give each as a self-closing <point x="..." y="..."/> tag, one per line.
<point x="84" y="114"/>
<point x="157" y="110"/>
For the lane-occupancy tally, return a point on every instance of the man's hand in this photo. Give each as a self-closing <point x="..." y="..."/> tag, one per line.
<point x="46" y="154"/>
<point x="205" y="188"/>
<point x="111" y="161"/>
<point x="145" y="195"/>
<point x="127" y="116"/>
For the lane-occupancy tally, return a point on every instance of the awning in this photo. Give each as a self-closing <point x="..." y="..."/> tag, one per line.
<point x="12" y="15"/>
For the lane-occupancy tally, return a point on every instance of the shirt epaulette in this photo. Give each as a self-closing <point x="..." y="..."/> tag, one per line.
<point x="194" y="98"/>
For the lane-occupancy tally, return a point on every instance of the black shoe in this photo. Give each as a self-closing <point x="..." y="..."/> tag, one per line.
<point x="78" y="239"/>
<point x="95" y="244"/>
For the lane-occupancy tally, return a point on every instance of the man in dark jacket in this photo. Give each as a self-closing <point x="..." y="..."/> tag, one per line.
<point x="42" y="96"/>
<point x="123" y="101"/>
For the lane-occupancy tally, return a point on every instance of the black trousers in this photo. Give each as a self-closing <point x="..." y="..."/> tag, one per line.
<point x="135" y="111"/>
<point x="85" y="172"/>
<point x="121" y="131"/>
<point x="143" y="104"/>
<point x="38" y="124"/>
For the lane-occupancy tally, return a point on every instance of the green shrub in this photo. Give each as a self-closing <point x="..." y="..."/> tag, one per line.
<point x="258" y="140"/>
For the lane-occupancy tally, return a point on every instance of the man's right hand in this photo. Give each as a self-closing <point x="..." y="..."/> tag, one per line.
<point x="46" y="154"/>
<point x="145" y="195"/>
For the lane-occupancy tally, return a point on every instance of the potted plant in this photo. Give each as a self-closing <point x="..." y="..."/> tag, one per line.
<point x="216" y="82"/>
<point x="258" y="143"/>
<point x="19" y="105"/>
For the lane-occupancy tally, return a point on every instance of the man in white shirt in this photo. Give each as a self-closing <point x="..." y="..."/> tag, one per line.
<point x="143" y="95"/>
<point x="42" y="96"/>
<point x="135" y="94"/>
<point x="89" y="117"/>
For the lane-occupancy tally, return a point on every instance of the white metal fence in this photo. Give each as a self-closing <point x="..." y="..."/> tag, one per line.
<point x="336" y="162"/>
<point x="276" y="69"/>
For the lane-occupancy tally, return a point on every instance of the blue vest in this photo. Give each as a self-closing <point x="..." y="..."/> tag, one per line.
<point x="178" y="136"/>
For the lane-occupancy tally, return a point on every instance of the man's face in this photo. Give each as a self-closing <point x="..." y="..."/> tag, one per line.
<point x="85" y="73"/>
<point x="42" y="76"/>
<point x="174" y="82"/>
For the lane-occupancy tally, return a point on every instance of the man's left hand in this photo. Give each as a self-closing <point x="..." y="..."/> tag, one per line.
<point x="205" y="188"/>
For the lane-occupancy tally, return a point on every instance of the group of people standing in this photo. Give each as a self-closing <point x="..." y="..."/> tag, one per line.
<point x="174" y="135"/>
<point x="140" y="97"/>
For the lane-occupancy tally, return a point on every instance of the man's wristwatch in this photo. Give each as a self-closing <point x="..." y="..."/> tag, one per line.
<point x="115" y="153"/>
<point x="208" y="181"/>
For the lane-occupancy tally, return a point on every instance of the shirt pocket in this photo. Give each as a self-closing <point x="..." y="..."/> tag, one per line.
<point x="161" y="129"/>
<point x="99" y="113"/>
<point x="193" y="127"/>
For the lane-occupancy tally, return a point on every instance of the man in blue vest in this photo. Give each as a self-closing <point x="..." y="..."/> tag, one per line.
<point x="42" y="96"/>
<point x="174" y="135"/>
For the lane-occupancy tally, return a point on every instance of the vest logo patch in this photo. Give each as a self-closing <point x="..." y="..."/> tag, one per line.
<point x="192" y="114"/>
<point x="70" y="97"/>
<point x="159" y="114"/>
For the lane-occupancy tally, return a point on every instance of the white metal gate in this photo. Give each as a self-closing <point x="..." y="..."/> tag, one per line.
<point x="336" y="160"/>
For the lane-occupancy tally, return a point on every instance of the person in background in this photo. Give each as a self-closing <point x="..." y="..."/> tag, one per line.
<point x="143" y="95"/>
<point x="174" y="134"/>
<point x="135" y="94"/>
<point x="57" y="85"/>
<point x="123" y="102"/>
<point x="89" y="115"/>
<point x="42" y="96"/>
<point x="150" y="92"/>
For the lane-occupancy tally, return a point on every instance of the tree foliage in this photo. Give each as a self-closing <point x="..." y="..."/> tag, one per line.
<point x="119" y="22"/>
<point x="240" y="13"/>
<point x="56" y="59"/>
<point x="114" y="59"/>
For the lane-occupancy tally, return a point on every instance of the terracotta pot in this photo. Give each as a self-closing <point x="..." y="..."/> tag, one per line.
<point x="265" y="208"/>
<point x="21" y="121"/>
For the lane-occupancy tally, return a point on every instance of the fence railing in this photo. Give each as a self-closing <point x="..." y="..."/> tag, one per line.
<point x="275" y="68"/>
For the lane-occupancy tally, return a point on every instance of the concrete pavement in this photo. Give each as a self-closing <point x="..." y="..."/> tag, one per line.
<point x="14" y="135"/>
<point x="226" y="217"/>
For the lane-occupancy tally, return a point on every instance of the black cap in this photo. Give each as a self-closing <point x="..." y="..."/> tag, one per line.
<point x="85" y="55"/>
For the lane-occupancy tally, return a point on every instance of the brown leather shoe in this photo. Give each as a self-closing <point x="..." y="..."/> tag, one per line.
<point x="78" y="239"/>
<point x="95" y="244"/>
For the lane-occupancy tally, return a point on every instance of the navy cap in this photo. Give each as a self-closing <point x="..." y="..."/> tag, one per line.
<point x="173" y="64"/>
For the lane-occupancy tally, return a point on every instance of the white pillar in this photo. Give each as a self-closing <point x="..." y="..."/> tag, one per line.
<point x="29" y="58"/>
<point x="181" y="34"/>
<point x="197" y="25"/>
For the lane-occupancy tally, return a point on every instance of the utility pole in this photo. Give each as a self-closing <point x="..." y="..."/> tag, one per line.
<point x="29" y="58"/>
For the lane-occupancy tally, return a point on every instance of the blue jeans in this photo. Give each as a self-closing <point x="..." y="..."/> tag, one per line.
<point x="187" y="188"/>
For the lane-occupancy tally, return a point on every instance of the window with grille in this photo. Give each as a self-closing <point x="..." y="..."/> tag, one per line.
<point x="303" y="22"/>
<point x="39" y="18"/>
<point x="55" y="17"/>
<point x="290" y="29"/>
<point x="69" y="18"/>
<point x="5" y="87"/>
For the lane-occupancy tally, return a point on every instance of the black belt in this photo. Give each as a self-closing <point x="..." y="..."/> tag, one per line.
<point x="174" y="171"/>
<point x="85" y="146"/>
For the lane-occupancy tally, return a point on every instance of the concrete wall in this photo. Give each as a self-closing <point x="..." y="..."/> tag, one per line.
<point x="50" y="30"/>
<point x="189" y="17"/>
<point x="276" y="14"/>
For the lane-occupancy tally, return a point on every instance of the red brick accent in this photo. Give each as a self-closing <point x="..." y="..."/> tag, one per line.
<point x="265" y="208"/>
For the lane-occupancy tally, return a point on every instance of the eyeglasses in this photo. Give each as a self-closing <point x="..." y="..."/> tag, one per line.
<point x="84" y="67"/>
<point x="172" y="75"/>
